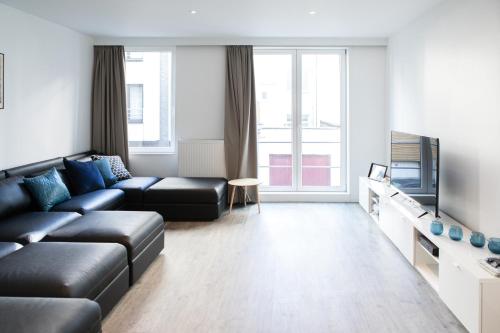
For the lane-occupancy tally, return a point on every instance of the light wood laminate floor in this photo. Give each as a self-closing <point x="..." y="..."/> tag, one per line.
<point x="293" y="268"/>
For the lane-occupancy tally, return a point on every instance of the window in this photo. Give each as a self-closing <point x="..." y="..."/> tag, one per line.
<point x="135" y="103"/>
<point x="150" y="100"/>
<point x="301" y="119"/>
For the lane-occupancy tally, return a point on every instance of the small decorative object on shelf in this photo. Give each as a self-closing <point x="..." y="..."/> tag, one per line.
<point x="477" y="239"/>
<point x="377" y="172"/>
<point x="437" y="227"/>
<point x="494" y="245"/>
<point x="492" y="265"/>
<point x="456" y="233"/>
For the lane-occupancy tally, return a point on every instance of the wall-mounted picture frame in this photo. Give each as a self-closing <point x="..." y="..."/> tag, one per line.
<point x="377" y="172"/>
<point x="2" y="88"/>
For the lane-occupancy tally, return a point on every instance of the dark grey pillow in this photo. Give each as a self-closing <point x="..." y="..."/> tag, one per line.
<point x="117" y="166"/>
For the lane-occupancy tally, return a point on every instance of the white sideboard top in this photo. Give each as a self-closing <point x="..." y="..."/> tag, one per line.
<point x="463" y="252"/>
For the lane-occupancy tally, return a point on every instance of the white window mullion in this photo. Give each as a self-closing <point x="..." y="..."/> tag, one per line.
<point x="298" y="121"/>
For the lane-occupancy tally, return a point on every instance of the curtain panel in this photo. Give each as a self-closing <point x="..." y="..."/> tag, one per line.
<point x="109" y="104"/>
<point x="240" y="126"/>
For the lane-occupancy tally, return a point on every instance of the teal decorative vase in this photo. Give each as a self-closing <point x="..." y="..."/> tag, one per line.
<point x="494" y="245"/>
<point x="477" y="239"/>
<point x="436" y="227"/>
<point x="456" y="233"/>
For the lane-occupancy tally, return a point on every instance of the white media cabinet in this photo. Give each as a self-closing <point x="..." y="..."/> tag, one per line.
<point x="468" y="290"/>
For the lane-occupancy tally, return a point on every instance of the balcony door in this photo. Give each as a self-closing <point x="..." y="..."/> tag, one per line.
<point x="301" y="117"/>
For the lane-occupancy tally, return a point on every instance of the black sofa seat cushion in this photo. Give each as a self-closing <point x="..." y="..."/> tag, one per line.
<point x="96" y="271"/>
<point x="97" y="200"/>
<point x="54" y="315"/>
<point x="137" y="231"/>
<point x="134" y="188"/>
<point x="184" y="198"/>
<point x="32" y="227"/>
<point x="7" y="248"/>
<point x="186" y="190"/>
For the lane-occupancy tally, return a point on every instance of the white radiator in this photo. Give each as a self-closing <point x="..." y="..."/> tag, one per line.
<point x="201" y="158"/>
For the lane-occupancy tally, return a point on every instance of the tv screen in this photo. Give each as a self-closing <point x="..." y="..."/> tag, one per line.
<point x="415" y="168"/>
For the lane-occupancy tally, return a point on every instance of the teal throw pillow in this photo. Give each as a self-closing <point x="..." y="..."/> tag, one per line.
<point x="105" y="169"/>
<point x="48" y="189"/>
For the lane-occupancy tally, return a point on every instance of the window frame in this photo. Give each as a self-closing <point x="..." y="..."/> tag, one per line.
<point x="297" y="53"/>
<point x="173" y="146"/>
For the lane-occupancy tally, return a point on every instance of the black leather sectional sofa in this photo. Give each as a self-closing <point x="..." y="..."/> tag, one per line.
<point x="61" y="270"/>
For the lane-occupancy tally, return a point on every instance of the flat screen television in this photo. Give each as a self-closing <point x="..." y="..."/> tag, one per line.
<point x="415" y="168"/>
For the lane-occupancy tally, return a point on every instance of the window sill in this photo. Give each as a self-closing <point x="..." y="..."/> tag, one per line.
<point x="151" y="152"/>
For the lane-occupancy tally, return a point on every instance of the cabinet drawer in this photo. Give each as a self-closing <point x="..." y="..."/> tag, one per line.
<point x="398" y="228"/>
<point x="461" y="291"/>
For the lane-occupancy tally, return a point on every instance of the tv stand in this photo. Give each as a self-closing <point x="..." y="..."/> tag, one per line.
<point x="468" y="290"/>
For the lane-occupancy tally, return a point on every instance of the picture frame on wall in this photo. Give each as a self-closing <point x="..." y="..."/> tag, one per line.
<point x="377" y="172"/>
<point x="2" y="88"/>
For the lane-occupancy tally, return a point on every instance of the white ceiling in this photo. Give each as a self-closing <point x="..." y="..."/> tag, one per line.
<point x="229" y="18"/>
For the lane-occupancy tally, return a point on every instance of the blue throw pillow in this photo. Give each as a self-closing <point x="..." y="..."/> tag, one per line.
<point x="106" y="173"/>
<point x="48" y="189"/>
<point x="84" y="177"/>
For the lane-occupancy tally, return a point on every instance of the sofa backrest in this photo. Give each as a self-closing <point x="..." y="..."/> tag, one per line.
<point x="2" y="175"/>
<point x="82" y="157"/>
<point x="37" y="168"/>
<point x="14" y="197"/>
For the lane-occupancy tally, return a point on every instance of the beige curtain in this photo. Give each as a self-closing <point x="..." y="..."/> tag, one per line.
<point x="109" y="104"/>
<point x="240" y="127"/>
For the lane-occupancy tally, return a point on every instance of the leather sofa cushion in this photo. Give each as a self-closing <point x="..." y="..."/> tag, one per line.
<point x="134" y="230"/>
<point x="32" y="227"/>
<point x="134" y="187"/>
<point x="186" y="190"/>
<point x="2" y="175"/>
<point x="7" y="248"/>
<point x="14" y="197"/>
<point x="55" y="315"/>
<point x="69" y="270"/>
<point x="96" y="200"/>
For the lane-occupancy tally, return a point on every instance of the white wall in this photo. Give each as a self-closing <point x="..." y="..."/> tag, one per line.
<point x="200" y="84"/>
<point x="48" y="71"/>
<point x="199" y="105"/>
<point x="367" y="112"/>
<point x="445" y="82"/>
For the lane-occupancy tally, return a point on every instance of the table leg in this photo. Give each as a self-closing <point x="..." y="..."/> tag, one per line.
<point x="245" y="196"/>
<point x="232" y="200"/>
<point x="258" y="197"/>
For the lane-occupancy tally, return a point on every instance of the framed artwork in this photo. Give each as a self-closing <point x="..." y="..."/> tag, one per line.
<point x="2" y="89"/>
<point x="377" y="172"/>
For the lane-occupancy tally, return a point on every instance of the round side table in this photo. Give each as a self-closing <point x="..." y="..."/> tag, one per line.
<point x="244" y="182"/>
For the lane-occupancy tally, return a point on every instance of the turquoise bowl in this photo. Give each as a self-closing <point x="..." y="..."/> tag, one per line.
<point x="477" y="239"/>
<point x="437" y="227"/>
<point x="456" y="233"/>
<point x="494" y="245"/>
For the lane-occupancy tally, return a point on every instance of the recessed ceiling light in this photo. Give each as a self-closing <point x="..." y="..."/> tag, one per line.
<point x="193" y="12"/>
<point x="312" y="12"/>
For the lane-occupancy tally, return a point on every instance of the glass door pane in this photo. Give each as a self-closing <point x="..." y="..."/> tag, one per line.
<point x="274" y="82"/>
<point x="320" y="133"/>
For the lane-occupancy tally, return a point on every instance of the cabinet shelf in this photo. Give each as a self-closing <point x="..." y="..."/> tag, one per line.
<point x="430" y="273"/>
<point x="434" y="258"/>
